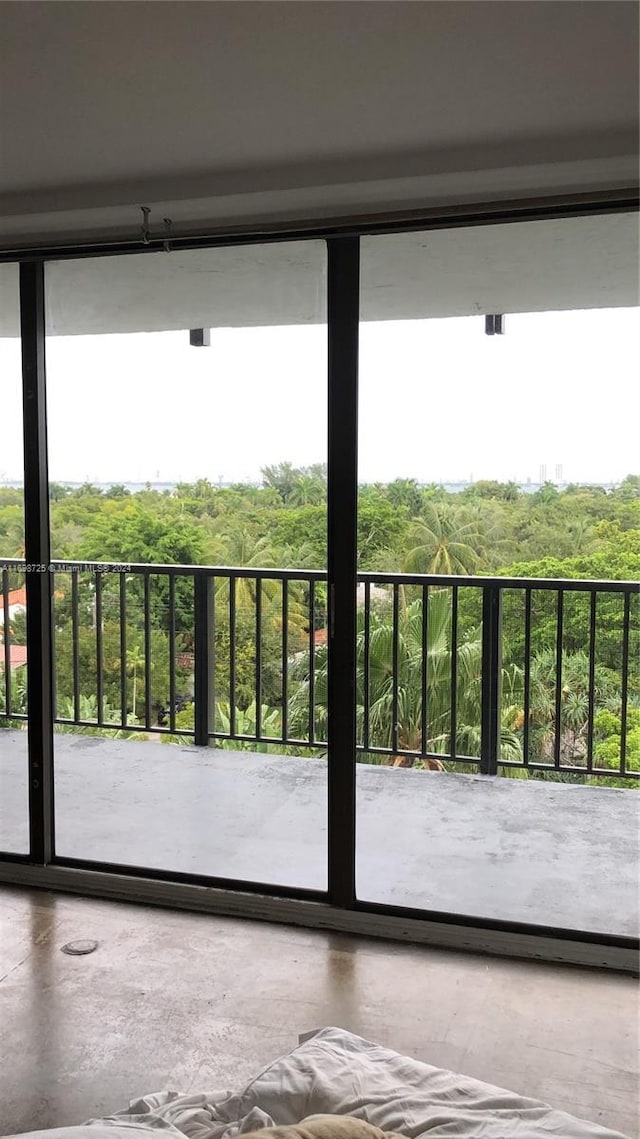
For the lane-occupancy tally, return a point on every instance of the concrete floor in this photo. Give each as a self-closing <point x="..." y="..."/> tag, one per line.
<point x="194" y="1003"/>
<point x="546" y="853"/>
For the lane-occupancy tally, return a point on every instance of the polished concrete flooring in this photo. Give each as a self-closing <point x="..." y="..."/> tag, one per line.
<point x="519" y="850"/>
<point x="197" y="1003"/>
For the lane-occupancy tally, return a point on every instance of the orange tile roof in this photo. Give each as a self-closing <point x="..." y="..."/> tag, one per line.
<point x="19" y="597"/>
<point x="17" y="657"/>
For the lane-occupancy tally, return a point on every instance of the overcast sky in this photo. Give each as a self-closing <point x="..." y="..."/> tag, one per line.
<point x="439" y="401"/>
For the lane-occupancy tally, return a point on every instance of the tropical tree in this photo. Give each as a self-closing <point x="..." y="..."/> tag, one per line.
<point x="18" y="703"/>
<point x="405" y="492"/>
<point x="574" y="705"/>
<point x="491" y="488"/>
<point x="88" y="712"/>
<point x="382" y="530"/>
<point x="608" y="743"/>
<point x="135" y="667"/>
<point x="307" y="491"/>
<point x="245" y="725"/>
<point x="18" y="628"/>
<point x="297" y="486"/>
<point x="382" y="699"/>
<point x="243" y="547"/>
<point x="12" y="530"/>
<point x="244" y="722"/>
<point x="246" y="549"/>
<point x="444" y="541"/>
<point x="280" y="477"/>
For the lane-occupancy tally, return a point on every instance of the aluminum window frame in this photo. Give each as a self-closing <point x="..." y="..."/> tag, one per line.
<point x="338" y="907"/>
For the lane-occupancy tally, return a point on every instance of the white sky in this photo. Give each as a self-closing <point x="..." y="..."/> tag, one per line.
<point x="439" y="401"/>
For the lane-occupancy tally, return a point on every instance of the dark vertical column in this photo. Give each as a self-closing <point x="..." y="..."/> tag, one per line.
<point x="37" y="557"/>
<point x="203" y="614"/>
<point x="343" y="317"/>
<point x="491" y="679"/>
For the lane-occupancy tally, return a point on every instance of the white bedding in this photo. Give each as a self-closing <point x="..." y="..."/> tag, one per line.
<point x="334" y="1071"/>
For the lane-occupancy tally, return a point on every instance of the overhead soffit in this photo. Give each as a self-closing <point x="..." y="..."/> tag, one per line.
<point x="577" y="263"/>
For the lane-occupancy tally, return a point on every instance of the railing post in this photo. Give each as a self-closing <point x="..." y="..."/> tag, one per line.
<point x="491" y="678"/>
<point x="203" y="641"/>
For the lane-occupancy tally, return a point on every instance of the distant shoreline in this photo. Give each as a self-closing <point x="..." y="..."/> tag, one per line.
<point x="161" y="487"/>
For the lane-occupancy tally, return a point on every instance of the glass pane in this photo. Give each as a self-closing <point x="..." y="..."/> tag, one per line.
<point x="14" y="787"/>
<point x="499" y="405"/>
<point x="187" y="429"/>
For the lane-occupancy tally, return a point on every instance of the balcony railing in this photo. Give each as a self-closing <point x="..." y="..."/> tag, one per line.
<point x="492" y="674"/>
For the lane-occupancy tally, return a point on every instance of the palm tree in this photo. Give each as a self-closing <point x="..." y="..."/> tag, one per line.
<point x="307" y="491"/>
<point x="135" y="665"/>
<point x="511" y="491"/>
<point x="580" y="535"/>
<point x="409" y="686"/>
<point x="302" y="556"/>
<point x="444" y="541"/>
<point x="246" y="549"/>
<point x="245" y="725"/>
<point x="405" y="492"/>
<point x="88" y="712"/>
<point x="574" y="704"/>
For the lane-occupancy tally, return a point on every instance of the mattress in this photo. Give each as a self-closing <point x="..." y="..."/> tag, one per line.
<point x="333" y="1071"/>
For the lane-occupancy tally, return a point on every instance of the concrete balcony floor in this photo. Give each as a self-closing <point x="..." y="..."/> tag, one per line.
<point x="517" y="850"/>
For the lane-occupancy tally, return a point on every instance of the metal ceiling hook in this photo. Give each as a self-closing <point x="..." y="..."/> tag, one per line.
<point x="167" y="235"/>
<point x="144" y="228"/>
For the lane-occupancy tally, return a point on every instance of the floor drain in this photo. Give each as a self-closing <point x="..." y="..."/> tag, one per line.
<point x="79" y="948"/>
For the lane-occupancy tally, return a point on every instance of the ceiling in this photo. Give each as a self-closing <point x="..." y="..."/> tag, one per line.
<point x="218" y="111"/>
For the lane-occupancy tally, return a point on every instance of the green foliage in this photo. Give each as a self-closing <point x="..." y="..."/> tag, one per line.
<point x="303" y="526"/>
<point x="89" y="710"/>
<point x="616" y="559"/>
<point x="407" y="493"/>
<point x="18" y="699"/>
<point x="18" y="628"/>
<point x="445" y="540"/>
<point x="574" y="705"/>
<point x="608" y="739"/>
<point x="382" y="528"/>
<point x="11" y="527"/>
<point x="123" y="531"/>
<point x="297" y="486"/>
<point x="409" y="721"/>
<point x="491" y="527"/>
<point x="245" y="725"/>
<point x="135" y="678"/>
<point x="118" y="490"/>
<point x="489" y="488"/>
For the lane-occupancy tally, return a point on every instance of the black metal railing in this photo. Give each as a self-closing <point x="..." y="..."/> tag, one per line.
<point x="515" y="625"/>
<point x="12" y="662"/>
<point x="483" y="673"/>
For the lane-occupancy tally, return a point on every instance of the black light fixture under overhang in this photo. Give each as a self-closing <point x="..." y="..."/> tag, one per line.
<point x="200" y="337"/>
<point x="494" y="324"/>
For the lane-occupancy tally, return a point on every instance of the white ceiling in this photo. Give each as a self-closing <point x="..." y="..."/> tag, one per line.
<point x="238" y="109"/>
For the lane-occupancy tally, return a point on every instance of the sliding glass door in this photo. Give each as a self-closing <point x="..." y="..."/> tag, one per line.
<point x="14" y="771"/>
<point x="187" y="403"/>
<point x="497" y="619"/>
<point x="334" y="591"/>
